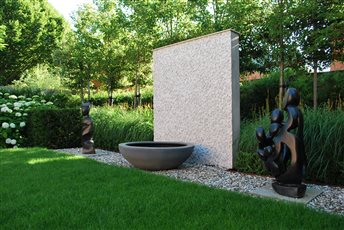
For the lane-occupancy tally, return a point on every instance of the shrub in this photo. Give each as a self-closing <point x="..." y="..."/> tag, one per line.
<point x="115" y="125"/>
<point x="40" y="76"/>
<point x="60" y="98"/>
<point x="13" y="117"/>
<point x="54" y="128"/>
<point x="324" y="143"/>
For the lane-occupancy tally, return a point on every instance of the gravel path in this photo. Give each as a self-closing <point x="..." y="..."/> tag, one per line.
<point x="331" y="200"/>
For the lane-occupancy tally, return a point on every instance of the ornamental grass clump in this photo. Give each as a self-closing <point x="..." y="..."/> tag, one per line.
<point x="13" y="117"/>
<point x="116" y="125"/>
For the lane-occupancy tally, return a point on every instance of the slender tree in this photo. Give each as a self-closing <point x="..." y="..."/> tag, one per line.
<point x="319" y="26"/>
<point x="113" y="33"/>
<point x="143" y="34"/>
<point x="279" y="36"/>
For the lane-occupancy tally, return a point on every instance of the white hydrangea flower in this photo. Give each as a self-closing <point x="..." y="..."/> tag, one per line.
<point x="3" y="105"/>
<point x="1" y="93"/>
<point x="29" y="99"/>
<point x="9" y="110"/>
<point x="22" y="124"/>
<point x="43" y="101"/>
<point x="6" y="94"/>
<point x="13" y="142"/>
<point x="49" y="103"/>
<point x="24" y="114"/>
<point x="21" y="97"/>
<point x="12" y="125"/>
<point x="8" y="103"/>
<point x="12" y="97"/>
<point x="5" y="125"/>
<point x="35" y="96"/>
<point x="8" y="141"/>
<point x="27" y="103"/>
<point x="4" y="109"/>
<point x="17" y="104"/>
<point x="18" y="114"/>
<point x="16" y="108"/>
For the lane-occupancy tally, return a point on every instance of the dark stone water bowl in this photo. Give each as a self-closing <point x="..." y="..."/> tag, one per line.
<point x="153" y="156"/>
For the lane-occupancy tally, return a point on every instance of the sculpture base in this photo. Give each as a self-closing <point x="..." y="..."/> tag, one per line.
<point x="88" y="147"/>
<point x="290" y="190"/>
<point x="88" y="151"/>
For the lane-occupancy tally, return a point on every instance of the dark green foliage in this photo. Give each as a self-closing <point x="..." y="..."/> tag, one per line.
<point x="324" y="142"/>
<point x="54" y="128"/>
<point x="41" y="189"/>
<point x="330" y="88"/>
<point x="114" y="126"/>
<point x="255" y="94"/>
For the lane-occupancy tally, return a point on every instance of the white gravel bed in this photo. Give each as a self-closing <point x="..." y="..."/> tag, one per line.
<point x="331" y="200"/>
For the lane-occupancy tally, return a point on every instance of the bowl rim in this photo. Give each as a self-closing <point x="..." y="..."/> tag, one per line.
<point x="130" y="145"/>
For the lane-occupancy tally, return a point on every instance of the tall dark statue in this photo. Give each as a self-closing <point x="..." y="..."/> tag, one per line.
<point x="282" y="149"/>
<point x="87" y="130"/>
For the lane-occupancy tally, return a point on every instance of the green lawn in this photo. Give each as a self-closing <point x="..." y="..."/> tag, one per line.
<point x="41" y="189"/>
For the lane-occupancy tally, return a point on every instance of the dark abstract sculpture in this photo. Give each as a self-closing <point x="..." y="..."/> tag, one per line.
<point x="87" y="130"/>
<point x="282" y="149"/>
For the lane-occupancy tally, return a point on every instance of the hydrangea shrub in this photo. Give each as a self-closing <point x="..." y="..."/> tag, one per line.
<point x="13" y="117"/>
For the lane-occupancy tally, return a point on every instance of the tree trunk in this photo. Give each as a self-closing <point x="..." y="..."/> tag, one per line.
<point x="281" y="65"/>
<point x="137" y="87"/>
<point x="110" y="96"/>
<point x="136" y="97"/>
<point x="82" y="94"/>
<point x="281" y="85"/>
<point x="89" y="88"/>
<point x="315" y="85"/>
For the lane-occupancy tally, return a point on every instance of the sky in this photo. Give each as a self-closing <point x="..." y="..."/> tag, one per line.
<point x="66" y="7"/>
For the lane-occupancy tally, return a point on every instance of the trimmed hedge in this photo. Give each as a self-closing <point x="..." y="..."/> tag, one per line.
<point x="324" y="143"/>
<point x="260" y="95"/>
<point x="54" y="128"/>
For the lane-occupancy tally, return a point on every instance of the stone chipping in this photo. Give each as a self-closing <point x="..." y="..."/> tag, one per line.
<point x="331" y="200"/>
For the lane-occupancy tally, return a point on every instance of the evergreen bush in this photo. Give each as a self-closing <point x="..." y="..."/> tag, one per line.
<point x="54" y="128"/>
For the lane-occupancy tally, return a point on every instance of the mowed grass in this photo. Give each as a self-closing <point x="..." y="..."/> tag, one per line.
<point x="42" y="189"/>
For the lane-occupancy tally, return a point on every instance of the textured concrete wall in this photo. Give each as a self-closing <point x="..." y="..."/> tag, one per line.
<point x="197" y="96"/>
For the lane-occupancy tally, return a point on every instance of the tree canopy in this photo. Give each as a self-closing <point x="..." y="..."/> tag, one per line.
<point x="31" y="30"/>
<point x="112" y="40"/>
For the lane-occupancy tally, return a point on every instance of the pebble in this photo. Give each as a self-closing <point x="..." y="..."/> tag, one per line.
<point x="331" y="200"/>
